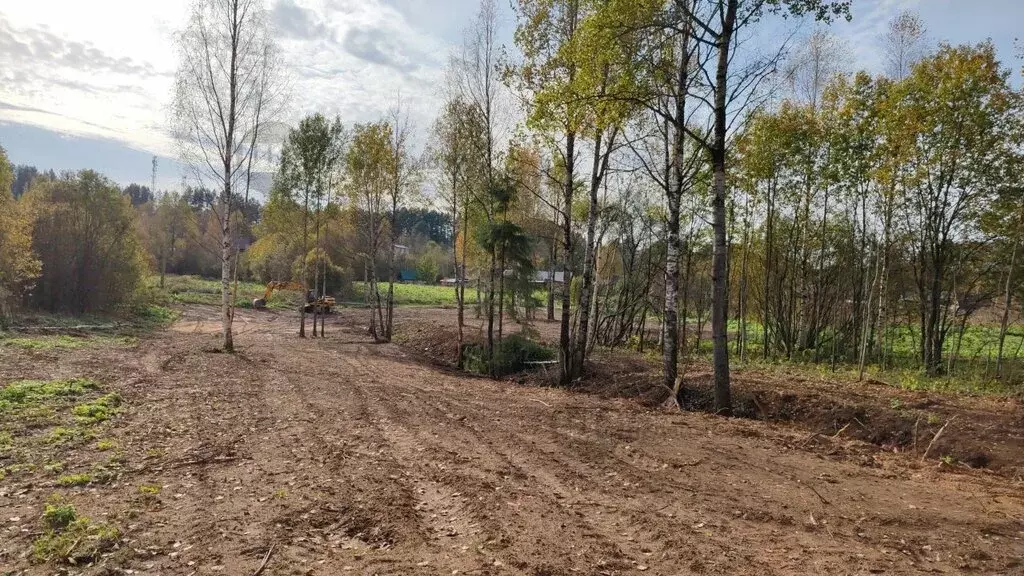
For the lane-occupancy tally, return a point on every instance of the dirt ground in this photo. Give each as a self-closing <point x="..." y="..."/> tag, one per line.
<point x="979" y="431"/>
<point x="340" y="456"/>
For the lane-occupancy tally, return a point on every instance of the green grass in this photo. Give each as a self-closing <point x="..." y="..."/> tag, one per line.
<point x="24" y="395"/>
<point x="74" y="480"/>
<point x="197" y="290"/>
<point x="99" y="410"/>
<point x="418" y="294"/>
<point x="72" y="539"/>
<point x="65" y="342"/>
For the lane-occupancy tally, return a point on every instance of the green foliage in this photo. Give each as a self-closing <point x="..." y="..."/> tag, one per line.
<point x="66" y="342"/>
<point x="105" y="445"/>
<point x="512" y="355"/>
<point x="74" y="480"/>
<point x="77" y="542"/>
<point x="83" y="231"/>
<point x="99" y="410"/>
<point x="419" y="294"/>
<point x="19" y="266"/>
<point x="58" y="513"/>
<point x="19" y="396"/>
<point x="149" y="489"/>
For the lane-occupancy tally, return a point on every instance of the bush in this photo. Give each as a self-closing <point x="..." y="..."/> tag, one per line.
<point x="512" y="355"/>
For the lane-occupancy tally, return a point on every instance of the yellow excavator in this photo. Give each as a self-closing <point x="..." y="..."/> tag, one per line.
<point x="323" y="304"/>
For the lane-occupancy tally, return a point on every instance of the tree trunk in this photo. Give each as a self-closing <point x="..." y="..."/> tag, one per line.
<point x="567" y="372"/>
<point x="305" y="259"/>
<point x="551" y="279"/>
<point x="670" y="323"/>
<point x="720" y="259"/>
<point x="866" y="330"/>
<point x="589" y="259"/>
<point x="225" y="266"/>
<point x="1007" y="302"/>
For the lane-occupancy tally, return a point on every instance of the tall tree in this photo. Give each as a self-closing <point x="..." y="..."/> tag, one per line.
<point x="225" y="88"/>
<point x="402" y="173"/>
<point x="309" y="156"/>
<point x="958" y="103"/>
<point x="367" y="164"/>
<point x="715" y="24"/>
<point x="19" y="266"/>
<point x="455" y="142"/>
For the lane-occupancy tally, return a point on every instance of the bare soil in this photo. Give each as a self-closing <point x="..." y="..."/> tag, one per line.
<point x="980" y="431"/>
<point x="340" y="456"/>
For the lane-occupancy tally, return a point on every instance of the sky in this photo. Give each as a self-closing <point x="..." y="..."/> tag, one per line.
<point x="88" y="84"/>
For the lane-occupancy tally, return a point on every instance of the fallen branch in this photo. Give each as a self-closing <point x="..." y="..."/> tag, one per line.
<point x="936" y="437"/>
<point x="841" y="430"/>
<point x="541" y="401"/>
<point x="266" y="558"/>
<point x="73" y="546"/>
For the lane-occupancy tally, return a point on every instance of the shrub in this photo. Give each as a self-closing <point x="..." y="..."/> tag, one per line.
<point x="58" y="513"/>
<point x="512" y="355"/>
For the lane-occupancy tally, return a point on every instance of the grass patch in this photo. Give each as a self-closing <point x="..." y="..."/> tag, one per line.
<point x="77" y="542"/>
<point x="99" y="410"/>
<point x="17" y="397"/>
<point x="197" y="290"/>
<point x="418" y="294"/>
<point x="66" y="342"/>
<point x="105" y="445"/>
<point x="65" y="435"/>
<point x="74" y="480"/>
<point x="54" y="467"/>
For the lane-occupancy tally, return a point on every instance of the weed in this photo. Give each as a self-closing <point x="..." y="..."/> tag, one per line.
<point x="58" y="513"/>
<point x="64" y="435"/>
<point x="947" y="460"/>
<point x="105" y="445"/>
<point x="99" y="410"/>
<point x="896" y="404"/>
<point x="78" y="541"/>
<point x="933" y="419"/>
<point x="74" y="480"/>
<point x="102" y="474"/>
<point x="149" y="489"/>
<point x="54" y="467"/>
<point x="280" y="493"/>
<point x="6" y="440"/>
<point x="154" y="452"/>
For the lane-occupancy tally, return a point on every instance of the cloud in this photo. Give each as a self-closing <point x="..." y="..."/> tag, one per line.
<point x="16" y="108"/>
<point x="378" y="46"/>
<point x="42" y="47"/>
<point x="297" y="22"/>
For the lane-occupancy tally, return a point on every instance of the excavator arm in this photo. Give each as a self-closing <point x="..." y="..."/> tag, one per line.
<point x="275" y="285"/>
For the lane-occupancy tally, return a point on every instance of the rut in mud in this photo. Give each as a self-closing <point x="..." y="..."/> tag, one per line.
<point x="339" y="455"/>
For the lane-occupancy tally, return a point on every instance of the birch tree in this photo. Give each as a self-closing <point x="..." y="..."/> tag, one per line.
<point x="225" y="88"/>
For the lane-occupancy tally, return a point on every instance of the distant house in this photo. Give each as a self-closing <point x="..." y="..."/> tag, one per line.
<point x="401" y="250"/>
<point x="544" y="276"/>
